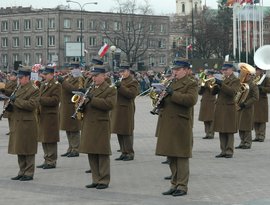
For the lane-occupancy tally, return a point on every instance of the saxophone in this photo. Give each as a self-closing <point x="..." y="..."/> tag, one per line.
<point x="77" y="98"/>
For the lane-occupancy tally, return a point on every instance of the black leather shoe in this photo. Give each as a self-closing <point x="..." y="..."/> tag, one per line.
<point x="88" y="171"/>
<point x="8" y="133"/>
<point x="102" y="186"/>
<point x="260" y="140"/>
<point x="220" y="155"/>
<point x="49" y="166"/>
<point x="166" y="162"/>
<point x="73" y="154"/>
<point x="26" y="178"/>
<point x="122" y="156"/>
<point x="93" y="185"/>
<point x="228" y="156"/>
<point x="255" y="140"/>
<point x="118" y="150"/>
<point x="66" y="154"/>
<point x="17" y="177"/>
<point x="239" y="147"/>
<point x="179" y="192"/>
<point x="128" y="158"/>
<point x="168" y="177"/>
<point x="40" y="166"/>
<point x="245" y="147"/>
<point x="169" y="192"/>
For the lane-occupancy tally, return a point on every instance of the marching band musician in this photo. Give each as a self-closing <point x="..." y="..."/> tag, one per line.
<point x="71" y="126"/>
<point x="246" y="111"/>
<point x="174" y="127"/>
<point x="23" y="139"/>
<point x="123" y="113"/>
<point x="225" y="117"/>
<point x="261" y="108"/>
<point x="95" y="140"/>
<point x="206" y="113"/>
<point x="50" y="94"/>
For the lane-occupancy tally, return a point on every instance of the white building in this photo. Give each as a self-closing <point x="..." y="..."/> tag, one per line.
<point x="184" y="7"/>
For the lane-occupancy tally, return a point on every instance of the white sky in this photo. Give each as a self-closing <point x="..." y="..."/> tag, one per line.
<point x="160" y="7"/>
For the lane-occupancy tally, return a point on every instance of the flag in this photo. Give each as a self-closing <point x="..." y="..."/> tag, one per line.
<point x="189" y="47"/>
<point x="102" y="51"/>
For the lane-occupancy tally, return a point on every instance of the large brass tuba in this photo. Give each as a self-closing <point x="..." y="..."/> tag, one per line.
<point x="241" y="95"/>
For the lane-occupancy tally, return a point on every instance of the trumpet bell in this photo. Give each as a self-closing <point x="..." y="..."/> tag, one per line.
<point x="261" y="57"/>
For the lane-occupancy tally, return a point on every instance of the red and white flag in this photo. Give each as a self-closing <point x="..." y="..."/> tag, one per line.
<point x="189" y="47"/>
<point x="102" y="51"/>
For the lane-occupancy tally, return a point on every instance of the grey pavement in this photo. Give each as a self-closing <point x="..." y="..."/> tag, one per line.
<point x="242" y="180"/>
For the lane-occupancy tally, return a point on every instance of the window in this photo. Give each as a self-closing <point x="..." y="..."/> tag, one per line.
<point x="27" y="41"/>
<point x="51" y="41"/>
<point x="152" y="43"/>
<point x="196" y="8"/>
<point x="15" y="57"/>
<point x="162" y="28"/>
<point x="79" y="39"/>
<point x="5" y="59"/>
<point x="92" y="41"/>
<point x="39" y="24"/>
<point x="151" y="28"/>
<point x="16" y="25"/>
<point x="27" y="24"/>
<point x="4" y="42"/>
<point x="162" y="60"/>
<point x="51" y="22"/>
<point x="183" y="8"/>
<point x="80" y="24"/>
<point x="27" y="58"/>
<point x="103" y="25"/>
<point x="66" y="23"/>
<point x="151" y="60"/>
<point x="162" y="43"/>
<point x="92" y="25"/>
<point x="105" y="40"/>
<point x="116" y="26"/>
<point x="66" y="39"/>
<point x="16" y="42"/>
<point x="128" y="25"/>
<point x="4" y="26"/>
<point x="38" y="58"/>
<point x="39" y="41"/>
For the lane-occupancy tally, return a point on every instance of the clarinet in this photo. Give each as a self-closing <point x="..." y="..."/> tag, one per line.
<point x="8" y="103"/>
<point x="161" y="96"/>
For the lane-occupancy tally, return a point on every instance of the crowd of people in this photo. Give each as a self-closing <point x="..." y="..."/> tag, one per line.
<point x="94" y="104"/>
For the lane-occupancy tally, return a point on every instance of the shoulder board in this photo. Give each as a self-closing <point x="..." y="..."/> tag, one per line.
<point x="56" y="82"/>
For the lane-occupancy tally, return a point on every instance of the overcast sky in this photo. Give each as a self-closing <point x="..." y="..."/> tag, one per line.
<point x="159" y="6"/>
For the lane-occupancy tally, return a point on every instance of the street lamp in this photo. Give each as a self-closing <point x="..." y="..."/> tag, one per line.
<point x="81" y="7"/>
<point x="113" y="49"/>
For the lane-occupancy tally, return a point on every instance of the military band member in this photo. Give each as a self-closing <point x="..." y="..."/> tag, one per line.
<point x="123" y="113"/>
<point x="23" y="139"/>
<point x="95" y="140"/>
<point x="225" y="117"/>
<point x="207" y="107"/>
<point x="50" y="94"/>
<point x="261" y="108"/>
<point x="246" y="108"/>
<point x="174" y="127"/>
<point x="67" y="108"/>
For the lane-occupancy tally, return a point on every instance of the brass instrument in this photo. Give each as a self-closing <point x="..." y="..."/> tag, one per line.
<point x="208" y="81"/>
<point x="241" y="95"/>
<point x="79" y="99"/>
<point x="158" y="98"/>
<point x="117" y="81"/>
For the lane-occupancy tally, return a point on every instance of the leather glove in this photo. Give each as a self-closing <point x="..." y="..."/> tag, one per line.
<point x="12" y="98"/>
<point x="88" y="98"/>
<point x="242" y="105"/>
<point x="218" y="82"/>
<point x="60" y="79"/>
<point x="169" y="90"/>
<point x="117" y="84"/>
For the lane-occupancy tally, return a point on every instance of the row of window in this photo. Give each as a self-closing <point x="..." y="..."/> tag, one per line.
<point x="27" y="41"/>
<point x="92" y="25"/>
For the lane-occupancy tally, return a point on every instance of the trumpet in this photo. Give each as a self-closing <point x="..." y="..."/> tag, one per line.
<point x="117" y="81"/>
<point x="208" y="81"/>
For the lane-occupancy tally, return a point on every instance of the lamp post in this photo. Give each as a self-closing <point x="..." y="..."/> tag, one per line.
<point x="113" y="49"/>
<point x="81" y="7"/>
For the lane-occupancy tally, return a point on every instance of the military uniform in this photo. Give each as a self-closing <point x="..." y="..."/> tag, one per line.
<point x="225" y="117"/>
<point x="123" y="116"/>
<point x="23" y="139"/>
<point x="96" y="132"/>
<point x="206" y="113"/>
<point x="261" y="111"/>
<point x="67" y="109"/>
<point x="50" y="94"/>
<point x="246" y="116"/>
<point x="174" y="131"/>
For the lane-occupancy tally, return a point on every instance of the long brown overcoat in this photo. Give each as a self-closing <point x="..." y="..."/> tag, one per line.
<point x="261" y="106"/>
<point x="123" y="113"/>
<point x="245" y="115"/>
<point x="10" y="87"/>
<point x="50" y="94"/>
<point x="225" y="117"/>
<point x="67" y="108"/>
<point x="207" y="106"/>
<point x="96" y="126"/>
<point x="23" y="138"/>
<point x="174" y="127"/>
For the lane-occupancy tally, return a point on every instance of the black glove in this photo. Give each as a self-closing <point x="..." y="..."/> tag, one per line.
<point x="218" y="82"/>
<point x="117" y="84"/>
<point x="169" y="90"/>
<point x="60" y="79"/>
<point x="12" y="98"/>
<point x="242" y="105"/>
<point x="82" y="90"/>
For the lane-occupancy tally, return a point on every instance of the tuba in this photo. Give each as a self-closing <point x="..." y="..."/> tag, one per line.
<point x="241" y="95"/>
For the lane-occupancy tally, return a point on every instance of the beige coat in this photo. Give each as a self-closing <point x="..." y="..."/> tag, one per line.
<point x="225" y="118"/>
<point x="174" y="127"/>
<point x="23" y="138"/>
<point x="123" y="113"/>
<point x="96" y="132"/>
<point x="261" y="106"/>
<point x="50" y="94"/>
